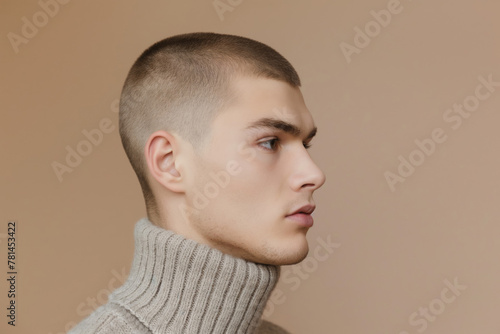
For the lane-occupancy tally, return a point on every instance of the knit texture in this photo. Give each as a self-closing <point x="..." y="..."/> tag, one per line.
<point x="177" y="285"/>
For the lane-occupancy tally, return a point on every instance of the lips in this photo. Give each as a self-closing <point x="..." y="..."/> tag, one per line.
<point x="302" y="219"/>
<point x="306" y="209"/>
<point x="302" y="216"/>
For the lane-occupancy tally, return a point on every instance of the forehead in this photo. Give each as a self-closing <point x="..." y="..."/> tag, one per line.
<point x="266" y="103"/>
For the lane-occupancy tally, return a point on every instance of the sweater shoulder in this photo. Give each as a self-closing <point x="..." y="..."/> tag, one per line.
<point x="110" y="318"/>
<point x="267" y="327"/>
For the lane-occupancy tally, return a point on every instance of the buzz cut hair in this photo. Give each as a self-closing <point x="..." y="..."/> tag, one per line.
<point x="182" y="83"/>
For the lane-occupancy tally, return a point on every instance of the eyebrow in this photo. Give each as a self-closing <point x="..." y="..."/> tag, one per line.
<point x="278" y="124"/>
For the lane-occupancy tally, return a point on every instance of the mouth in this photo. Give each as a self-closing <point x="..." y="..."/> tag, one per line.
<point x="302" y="219"/>
<point x="306" y="209"/>
<point x="302" y="215"/>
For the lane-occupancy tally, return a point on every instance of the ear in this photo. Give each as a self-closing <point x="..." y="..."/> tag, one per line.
<point x="160" y="153"/>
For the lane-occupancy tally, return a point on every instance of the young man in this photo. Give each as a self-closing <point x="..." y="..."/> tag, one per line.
<point x="216" y="129"/>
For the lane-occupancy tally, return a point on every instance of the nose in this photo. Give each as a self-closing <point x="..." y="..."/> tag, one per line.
<point x="307" y="174"/>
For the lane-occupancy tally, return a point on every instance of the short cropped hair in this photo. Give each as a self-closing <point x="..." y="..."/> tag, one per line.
<point x="182" y="83"/>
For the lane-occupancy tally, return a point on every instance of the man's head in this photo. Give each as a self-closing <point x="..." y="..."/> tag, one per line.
<point x="199" y="118"/>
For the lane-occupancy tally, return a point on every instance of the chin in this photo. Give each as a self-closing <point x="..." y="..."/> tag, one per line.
<point x="295" y="258"/>
<point x="287" y="253"/>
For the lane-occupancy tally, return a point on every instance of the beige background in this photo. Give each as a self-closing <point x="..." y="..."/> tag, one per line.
<point x="397" y="248"/>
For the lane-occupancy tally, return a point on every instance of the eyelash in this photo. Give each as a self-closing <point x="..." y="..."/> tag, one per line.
<point x="277" y="140"/>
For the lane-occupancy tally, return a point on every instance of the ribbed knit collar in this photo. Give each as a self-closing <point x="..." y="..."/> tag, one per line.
<point x="177" y="285"/>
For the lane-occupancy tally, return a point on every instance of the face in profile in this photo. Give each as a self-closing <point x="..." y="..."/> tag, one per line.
<point x="273" y="175"/>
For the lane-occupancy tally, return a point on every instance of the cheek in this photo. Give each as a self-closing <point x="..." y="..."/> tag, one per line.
<point x="243" y="187"/>
<point x="258" y="178"/>
<point x="250" y="193"/>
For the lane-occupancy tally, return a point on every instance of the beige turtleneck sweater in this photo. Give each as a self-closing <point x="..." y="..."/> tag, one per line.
<point x="177" y="285"/>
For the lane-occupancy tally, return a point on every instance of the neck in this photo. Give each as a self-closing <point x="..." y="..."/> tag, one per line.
<point x="178" y="285"/>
